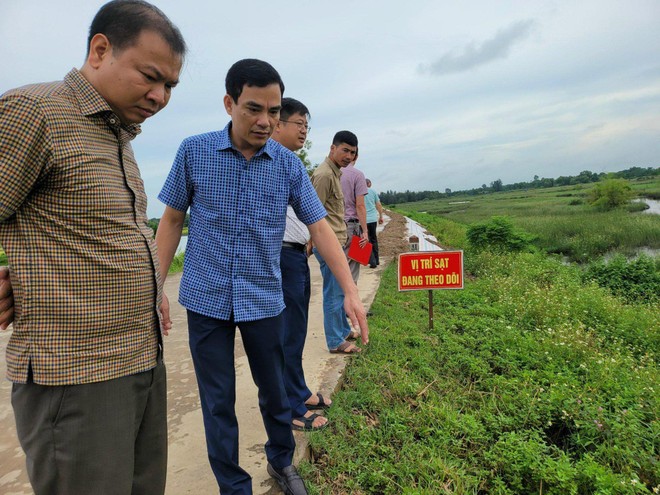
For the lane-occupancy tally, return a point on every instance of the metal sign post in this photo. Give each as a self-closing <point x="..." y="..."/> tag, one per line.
<point x="430" y="310"/>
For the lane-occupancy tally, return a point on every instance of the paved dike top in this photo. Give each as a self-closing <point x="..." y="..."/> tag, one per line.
<point x="188" y="468"/>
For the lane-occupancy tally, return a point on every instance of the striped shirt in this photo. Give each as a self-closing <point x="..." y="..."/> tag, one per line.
<point x="237" y="217"/>
<point x="73" y="224"/>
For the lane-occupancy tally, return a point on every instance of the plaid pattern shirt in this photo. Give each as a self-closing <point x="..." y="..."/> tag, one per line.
<point x="73" y="224"/>
<point x="237" y="219"/>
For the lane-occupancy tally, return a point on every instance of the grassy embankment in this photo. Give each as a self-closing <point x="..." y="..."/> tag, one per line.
<point x="531" y="382"/>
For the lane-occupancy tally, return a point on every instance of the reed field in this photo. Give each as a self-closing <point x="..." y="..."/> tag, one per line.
<point x="560" y="219"/>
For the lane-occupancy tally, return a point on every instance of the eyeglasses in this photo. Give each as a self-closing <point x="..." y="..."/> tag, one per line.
<point x="301" y="125"/>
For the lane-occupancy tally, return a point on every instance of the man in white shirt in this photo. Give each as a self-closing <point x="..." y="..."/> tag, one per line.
<point x="291" y="132"/>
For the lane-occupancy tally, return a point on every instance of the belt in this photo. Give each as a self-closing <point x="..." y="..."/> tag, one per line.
<point x="294" y="245"/>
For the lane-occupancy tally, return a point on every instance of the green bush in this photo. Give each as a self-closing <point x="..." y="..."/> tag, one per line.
<point x="498" y="234"/>
<point x="611" y="193"/>
<point x="636" y="280"/>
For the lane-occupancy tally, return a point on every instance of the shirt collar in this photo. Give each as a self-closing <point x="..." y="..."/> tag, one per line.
<point x="92" y="103"/>
<point x="335" y="169"/>
<point x="224" y="143"/>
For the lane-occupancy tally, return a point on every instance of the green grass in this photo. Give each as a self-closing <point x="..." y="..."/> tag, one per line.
<point x="177" y="263"/>
<point x="559" y="218"/>
<point x="530" y="382"/>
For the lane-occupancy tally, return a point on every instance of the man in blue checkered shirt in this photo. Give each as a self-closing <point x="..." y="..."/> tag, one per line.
<point x="238" y="183"/>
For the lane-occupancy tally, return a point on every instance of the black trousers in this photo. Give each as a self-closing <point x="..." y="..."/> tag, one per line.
<point x="212" y="348"/>
<point x="373" y="239"/>
<point x="104" y="438"/>
<point x="296" y="287"/>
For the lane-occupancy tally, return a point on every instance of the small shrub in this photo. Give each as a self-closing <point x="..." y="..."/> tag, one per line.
<point x="635" y="280"/>
<point x="498" y="234"/>
<point x="611" y="193"/>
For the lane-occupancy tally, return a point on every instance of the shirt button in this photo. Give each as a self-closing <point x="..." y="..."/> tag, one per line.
<point x="113" y="121"/>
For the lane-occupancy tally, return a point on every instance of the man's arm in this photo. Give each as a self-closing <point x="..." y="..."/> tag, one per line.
<point x="168" y="236"/>
<point x="6" y="299"/>
<point x="379" y="207"/>
<point x="326" y="242"/>
<point x="361" y="210"/>
<point x="23" y="156"/>
<point x="322" y="185"/>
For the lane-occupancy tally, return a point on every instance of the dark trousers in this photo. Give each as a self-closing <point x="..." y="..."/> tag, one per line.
<point x="104" y="438"/>
<point x="296" y="288"/>
<point x="373" y="239"/>
<point x="212" y="349"/>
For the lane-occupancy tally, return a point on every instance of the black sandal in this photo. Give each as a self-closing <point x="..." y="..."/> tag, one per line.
<point x="307" y="423"/>
<point x="320" y="405"/>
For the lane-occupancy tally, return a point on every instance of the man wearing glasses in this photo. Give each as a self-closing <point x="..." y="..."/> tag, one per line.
<point x="291" y="132"/>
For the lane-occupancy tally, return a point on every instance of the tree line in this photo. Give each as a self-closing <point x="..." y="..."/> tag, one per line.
<point x="584" y="177"/>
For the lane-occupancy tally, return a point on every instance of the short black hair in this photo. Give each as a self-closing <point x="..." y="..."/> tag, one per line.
<point x="251" y="72"/>
<point x="291" y="106"/>
<point x="345" y="137"/>
<point x="122" y="22"/>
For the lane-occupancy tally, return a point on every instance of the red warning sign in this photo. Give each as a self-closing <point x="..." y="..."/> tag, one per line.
<point x="431" y="270"/>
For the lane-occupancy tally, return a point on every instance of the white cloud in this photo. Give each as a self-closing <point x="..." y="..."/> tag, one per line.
<point x="474" y="55"/>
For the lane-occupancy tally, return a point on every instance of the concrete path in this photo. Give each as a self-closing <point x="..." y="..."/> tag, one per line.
<point x="189" y="471"/>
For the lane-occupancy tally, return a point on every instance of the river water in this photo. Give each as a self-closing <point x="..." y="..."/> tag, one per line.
<point x="182" y="244"/>
<point x="654" y="206"/>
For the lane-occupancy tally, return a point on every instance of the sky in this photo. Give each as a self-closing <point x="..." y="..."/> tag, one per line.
<point x="441" y="94"/>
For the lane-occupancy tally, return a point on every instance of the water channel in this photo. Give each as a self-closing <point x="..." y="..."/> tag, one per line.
<point x="654" y="206"/>
<point x="182" y="244"/>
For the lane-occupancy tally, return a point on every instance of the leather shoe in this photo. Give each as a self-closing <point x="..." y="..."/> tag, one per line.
<point x="289" y="480"/>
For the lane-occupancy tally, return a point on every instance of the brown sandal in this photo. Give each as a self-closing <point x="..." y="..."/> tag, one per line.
<point x="346" y="348"/>
<point x="353" y="335"/>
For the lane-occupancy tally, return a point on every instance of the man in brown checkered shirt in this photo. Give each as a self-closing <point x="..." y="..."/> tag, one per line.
<point x="85" y="354"/>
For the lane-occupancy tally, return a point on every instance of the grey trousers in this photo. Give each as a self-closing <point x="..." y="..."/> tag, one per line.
<point x="105" y="438"/>
<point x="352" y="228"/>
